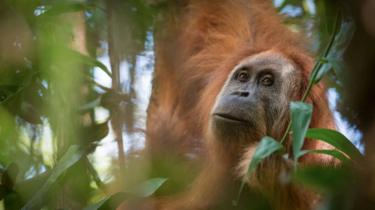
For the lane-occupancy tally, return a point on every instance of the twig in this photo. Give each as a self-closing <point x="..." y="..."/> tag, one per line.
<point x="315" y="71"/>
<point x="115" y="67"/>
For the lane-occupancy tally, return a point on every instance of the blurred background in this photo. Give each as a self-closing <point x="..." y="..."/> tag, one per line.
<point x="76" y="77"/>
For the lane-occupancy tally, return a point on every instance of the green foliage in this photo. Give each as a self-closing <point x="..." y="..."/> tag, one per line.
<point x="328" y="179"/>
<point x="301" y="117"/>
<point x="71" y="157"/>
<point x="50" y="97"/>
<point x="336" y="139"/>
<point x="266" y="147"/>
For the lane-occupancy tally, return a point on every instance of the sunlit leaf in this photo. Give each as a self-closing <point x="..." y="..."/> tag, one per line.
<point x="148" y="187"/>
<point x="110" y="202"/>
<point x="72" y="155"/>
<point x="62" y="8"/>
<point x="301" y="116"/>
<point x="336" y="139"/>
<point x="94" y="174"/>
<point x="90" y="61"/>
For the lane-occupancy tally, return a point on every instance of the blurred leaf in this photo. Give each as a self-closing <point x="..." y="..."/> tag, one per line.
<point x="8" y="179"/>
<point x="110" y="202"/>
<point x="94" y="174"/>
<point x="334" y="58"/>
<point x="308" y="8"/>
<point x="30" y="113"/>
<point x="301" y="116"/>
<point x="91" y="105"/>
<point x="3" y="192"/>
<point x="323" y="178"/>
<point x="91" y="61"/>
<point x="7" y="91"/>
<point x="64" y="7"/>
<point x="336" y="139"/>
<point x="266" y="147"/>
<point x="327" y="11"/>
<point x="148" y="187"/>
<point x="323" y="70"/>
<point x="342" y="39"/>
<point x="111" y="99"/>
<point x="72" y="155"/>
<point x="96" y="132"/>
<point x="9" y="176"/>
<point x="334" y="153"/>
<point x="26" y="188"/>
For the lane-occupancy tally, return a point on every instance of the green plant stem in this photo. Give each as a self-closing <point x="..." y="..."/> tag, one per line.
<point x="315" y="71"/>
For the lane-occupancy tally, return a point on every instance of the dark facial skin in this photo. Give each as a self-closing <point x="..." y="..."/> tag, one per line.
<point x="255" y="98"/>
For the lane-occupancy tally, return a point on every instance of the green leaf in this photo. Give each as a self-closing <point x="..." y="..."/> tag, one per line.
<point x="266" y="147"/>
<point x="95" y="132"/>
<point x="323" y="178"/>
<point x="90" y="105"/>
<point x="301" y="117"/>
<point x="72" y="156"/>
<point x="323" y="70"/>
<point x="148" y="187"/>
<point x="90" y="61"/>
<point x="335" y="139"/>
<point x="110" y="202"/>
<point x="9" y="177"/>
<point x="333" y="59"/>
<point x="63" y="8"/>
<point x="334" y="153"/>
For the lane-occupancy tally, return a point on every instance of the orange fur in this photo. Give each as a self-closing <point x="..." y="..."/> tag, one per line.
<point x="198" y="44"/>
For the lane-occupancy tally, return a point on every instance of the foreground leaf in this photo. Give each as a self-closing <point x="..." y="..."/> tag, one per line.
<point x="334" y="153"/>
<point x="110" y="202"/>
<point x="150" y="186"/>
<point x="266" y="147"/>
<point x="301" y="117"/>
<point x="72" y="156"/>
<point x="323" y="178"/>
<point x="146" y="189"/>
<point x="335" y="139"/>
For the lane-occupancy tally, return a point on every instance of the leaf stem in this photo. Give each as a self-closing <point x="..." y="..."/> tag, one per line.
<point x="315" y="71"/>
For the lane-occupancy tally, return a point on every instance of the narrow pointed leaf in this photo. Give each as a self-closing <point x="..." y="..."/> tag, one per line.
<point x="334" y="153"/>
<point x="323" y="70"/>
<point x="266" y="147"/>
<point x="323" y="178"/>
<point x="72" y="156"/>
<point x="148" y="187"/>
<point x="301" y="117"/>
<point x="335" y="139"/>
<point x="110" y="202"/>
